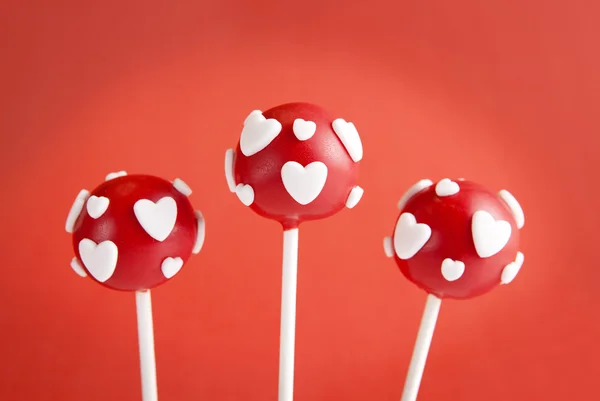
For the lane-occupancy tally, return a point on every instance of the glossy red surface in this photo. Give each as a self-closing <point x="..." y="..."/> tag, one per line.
<point x="263" y="170"/>
<point x="139" y="256"/>
<point x="450" y="218"/>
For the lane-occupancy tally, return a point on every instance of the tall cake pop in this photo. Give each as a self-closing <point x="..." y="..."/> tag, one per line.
<point x="134" y="233"/>
<point x="294" y="163"/>
<point x="454" y="240"/>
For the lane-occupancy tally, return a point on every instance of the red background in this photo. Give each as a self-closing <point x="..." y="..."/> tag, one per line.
<point x="502" y="92"/>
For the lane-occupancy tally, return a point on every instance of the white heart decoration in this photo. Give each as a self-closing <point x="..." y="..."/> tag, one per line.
<point x="388" y="247"/>
<point x="96" y="206"/>
<point x="157" y="219"/>
<point x="304" y="184"/>
<point x="245" y="193"/>
<point x="229" y="169"/>
<point x="201" y="227"/>
<point x="258" y="133"/>
<point x="514" y="206"/>
<point x="99" y="259"/>
<point x="304" y="130"/>
<point x="77" y="268"/>
<point x="410" y="236"/>
<point x="171" y="266"/>
<point x="182" y="187"/>
<point x="350" y="138"/>
<point x="452" y="270"/>
<point x="511" y="270"/>
<point x="446" y="187"/>
<point x="76" y="209"/>
<point x="489" y="235"/>
<point x="412" y="191"/>
<point x="118" y="174"/>
<point x="354" y="197"/>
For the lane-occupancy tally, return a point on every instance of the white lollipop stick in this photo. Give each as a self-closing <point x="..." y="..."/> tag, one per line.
<point x="419" y="356"/>
<point x="288" y="315"/>
<point x="146" y="343"/>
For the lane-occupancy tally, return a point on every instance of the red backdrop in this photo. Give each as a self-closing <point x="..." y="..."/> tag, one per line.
<point x="505" y="93"/>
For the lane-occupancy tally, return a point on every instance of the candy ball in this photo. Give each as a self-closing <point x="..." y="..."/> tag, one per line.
<point x="295" y="163"/>
<point x="134" y="232"/>
<point x="456" y="239"/>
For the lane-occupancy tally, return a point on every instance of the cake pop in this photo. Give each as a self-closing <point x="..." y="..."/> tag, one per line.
<point x="294" y="163"/>
<point x="134" y="233"/>
<point x="454" y="239"/>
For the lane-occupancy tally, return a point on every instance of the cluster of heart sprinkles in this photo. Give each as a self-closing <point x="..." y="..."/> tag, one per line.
<point x="134" y="232"/>
<point x="456" y="239"/>
<point x="295" y="163"/>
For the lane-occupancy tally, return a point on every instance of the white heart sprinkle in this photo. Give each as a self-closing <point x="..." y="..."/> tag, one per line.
<point x="77" y="268"/>
<point x="201" y="227"/>
<point x="304" y="184"/>
<point x="157" y="219"/>
<point x="99" y="259"/>
<point x="452" y="270"/>
<point x="182" y="187"/>
<point x="354" y="197"/>
<point x="76" y="209"/>
<point x="350" y="138"/>
<point x="418" y="187"/>
<point x="229" y="169"/>
<point x="245" y="193"/>
<point x="304" y="130"/>
<point x="446" y="187"/>
<point x="489" y="235"/>
<point x="258" y="133"/>
<point x="514" y="206"/>
<point x="410" y="236"/>
<point x="118" y="174"/>
<point x="96" y="206"/>
<point x="171" y="266"/>
<point x="388" y="247"/>
<point x="512" y="269"/>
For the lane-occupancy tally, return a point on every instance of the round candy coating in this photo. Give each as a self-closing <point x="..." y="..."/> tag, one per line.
<point x="455" y="239"/>
<point x="296" y="162"/>
<point x="134" y="232"/>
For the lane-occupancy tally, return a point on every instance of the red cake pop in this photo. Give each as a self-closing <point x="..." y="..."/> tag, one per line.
<point x="296" y="163"/>
<point x="454" y="240"/>
<point x="133" y="233"/>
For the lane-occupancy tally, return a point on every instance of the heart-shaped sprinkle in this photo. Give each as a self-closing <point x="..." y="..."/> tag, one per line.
<point x="452" y="270"/>
<point x="304" y="184"/>
<point x="410" y="236"/>
<point x="96" y="206"/>
<point x="512" y="269"/>
<point x="258" y="133"/>
<point x="446" y="187"/>
<point x="201" y="227"/>
<point x="354" y="197"/>
<point x="77" y="268"/>
<point x="350" y="138"/>
<point x="182" y="187"/>
<point x="157" y="219"/>
<point x="118" y="174"/>
<point x="412" y="191"/>
<point x="489" y="235"/>
<point x="304" y="130"/>
<point x="514" y="206"/>
<point x="388" y="247"/>
<point x="229" y="169"/>
<point x="171" y="266"/>
<point x="99" y="259"/>
<point x="246" y="194"/>
<point x="76" y="209"/>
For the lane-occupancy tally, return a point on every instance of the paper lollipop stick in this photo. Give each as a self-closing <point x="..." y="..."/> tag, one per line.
<point x="134" y="233"/>
<point x="288" y="315"/>
<point x="454" y="240"/>
<point x="294" y="163"/>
